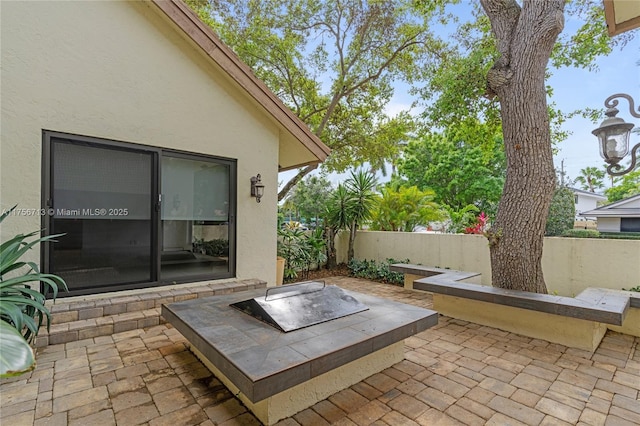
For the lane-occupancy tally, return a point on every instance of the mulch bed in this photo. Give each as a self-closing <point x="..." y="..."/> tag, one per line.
<point x="340" y="271"/>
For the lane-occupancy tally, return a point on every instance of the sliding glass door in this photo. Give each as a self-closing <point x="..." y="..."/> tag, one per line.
<point x="101" y="199"/>
<point x="135" y="216"/>
<point x="195" y="217"/>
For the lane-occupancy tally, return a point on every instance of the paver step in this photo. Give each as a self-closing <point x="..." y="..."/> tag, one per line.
<point x="84" y="319"/>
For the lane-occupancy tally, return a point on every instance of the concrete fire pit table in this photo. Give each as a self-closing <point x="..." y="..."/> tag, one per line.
<point x="278" y="374"/>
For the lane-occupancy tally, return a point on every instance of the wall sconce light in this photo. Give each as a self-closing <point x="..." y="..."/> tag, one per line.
<point x="257" y="188"/>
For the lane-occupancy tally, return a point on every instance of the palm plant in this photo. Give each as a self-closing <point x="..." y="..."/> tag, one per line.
<point x="361" y="200"/>
<point x="22" y="308"/>
<point x="335" y="219"/>
<point x="591" y="178"/>
<point x="403" y="208"/>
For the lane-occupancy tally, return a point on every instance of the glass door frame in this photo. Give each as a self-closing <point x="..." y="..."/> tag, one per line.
<point x="232" y="164"/>
<point x="49" y="137"/>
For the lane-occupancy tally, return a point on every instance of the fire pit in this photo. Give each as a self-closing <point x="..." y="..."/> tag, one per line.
<point x="335" y="339"/>
<point x="300" y="305"/>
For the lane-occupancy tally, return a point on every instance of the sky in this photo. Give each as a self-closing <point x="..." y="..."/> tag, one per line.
<point x="573" y="89"/>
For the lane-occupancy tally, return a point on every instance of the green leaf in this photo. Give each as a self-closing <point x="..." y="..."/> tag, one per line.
<point x="21" y="306"/>
<point x="16" y="356"/>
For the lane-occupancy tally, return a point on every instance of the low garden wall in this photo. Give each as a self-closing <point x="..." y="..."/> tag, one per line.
<point x="570" y="264"/>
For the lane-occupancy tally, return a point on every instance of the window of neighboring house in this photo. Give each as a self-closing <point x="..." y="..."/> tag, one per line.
<point x="135" y="216"/>
<point x="630" y="224"/>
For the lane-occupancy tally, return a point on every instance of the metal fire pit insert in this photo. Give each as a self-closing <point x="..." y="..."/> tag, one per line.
<point x="300" y="305"/>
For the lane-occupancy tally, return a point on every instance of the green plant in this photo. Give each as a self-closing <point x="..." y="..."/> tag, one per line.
<point x="317" y="246"/>
<point x="459" y="220"/>
<point x="403" y="208"/>
<point x="301" y="250"/>
<point x="362" y="197"/>
<point x="377" y="271"/>
<point x="217" y="247"/>
<point x="562" y="212"/>
<point x="22" y="308"/>
<point x="290" y="248"/>
<point x="581" y="233"/>
<point x="636" y="288"/>
<point x="479" y="227"/>
<point x="620" y="235"/>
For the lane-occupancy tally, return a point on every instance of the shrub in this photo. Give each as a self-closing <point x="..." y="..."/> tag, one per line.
<point x="479" y="227"/>
<point x="636" y="288"/>
<point x="581" y="233"/>
<point x="620" y="235"/>
<point x="301" y="250"/>
<point x="562" y="212"/>
<point x="377" y="271"/>
<point x="218" y="247"/>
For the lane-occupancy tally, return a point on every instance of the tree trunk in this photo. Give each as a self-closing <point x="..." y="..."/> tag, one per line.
<point x="525" y="38"/>
<point x="352" y="240"/>
<point x="331" y="248"/>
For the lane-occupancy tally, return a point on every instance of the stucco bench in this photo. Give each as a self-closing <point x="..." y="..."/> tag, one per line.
<point x="413" y="273"/>
<point x="579" y="321"/>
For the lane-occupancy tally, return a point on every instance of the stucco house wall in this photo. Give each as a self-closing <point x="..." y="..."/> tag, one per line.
<point x="120" y="70"/>
<point x="586" y="201"/>
<point x="621" y="216"/>
<point x="609" y="224"/>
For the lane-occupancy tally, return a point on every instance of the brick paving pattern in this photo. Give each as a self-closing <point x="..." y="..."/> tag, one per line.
<point x="456" y="373"/>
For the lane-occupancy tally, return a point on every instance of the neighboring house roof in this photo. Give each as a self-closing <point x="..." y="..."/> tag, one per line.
<point x="628" y="207"/>
<point x="204" y="37"/>
<point x="621" y="15"/>
<point x="595" y="195"/>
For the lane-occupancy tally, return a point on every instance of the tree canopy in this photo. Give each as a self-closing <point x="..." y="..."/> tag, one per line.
<point x="460" y="172"/>
<point x="457" y="92"/>
<point x="334" y="64"/>
<point x="309" y="197"/>
<point x="627" y="186"/>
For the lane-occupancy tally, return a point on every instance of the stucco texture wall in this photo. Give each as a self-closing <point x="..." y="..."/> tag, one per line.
<point x="609" y="224"/>
<point x="119" y="70"/>
<point x="569" y="264"/>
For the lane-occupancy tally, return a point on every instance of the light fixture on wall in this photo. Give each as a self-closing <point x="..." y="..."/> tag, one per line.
<point x="257" y="188"/>
<point x="613" y="135"/>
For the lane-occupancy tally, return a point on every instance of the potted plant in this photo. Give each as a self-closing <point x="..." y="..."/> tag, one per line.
<point x="22" y="308"/>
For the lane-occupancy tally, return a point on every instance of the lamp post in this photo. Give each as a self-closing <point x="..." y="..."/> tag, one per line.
<point x="613" y="135"/>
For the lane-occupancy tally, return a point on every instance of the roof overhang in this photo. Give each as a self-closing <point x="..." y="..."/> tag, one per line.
<point x="298" y="145"/>
<point x="621" y="15"/>
<point x="612" y="213"/>
<point x="587" y="194"/>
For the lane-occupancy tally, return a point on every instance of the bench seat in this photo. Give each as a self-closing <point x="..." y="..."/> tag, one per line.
<point x="579" y="321"/>
<point x="593" y="306"/>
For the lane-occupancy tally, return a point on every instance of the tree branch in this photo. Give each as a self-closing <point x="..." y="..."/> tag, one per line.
<point x="504" y="16"/>
<point x="408" y="43"/>
<point x="294" y="180"/>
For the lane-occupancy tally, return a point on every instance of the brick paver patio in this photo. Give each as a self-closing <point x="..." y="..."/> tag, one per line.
<point x="456" y="373"/>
